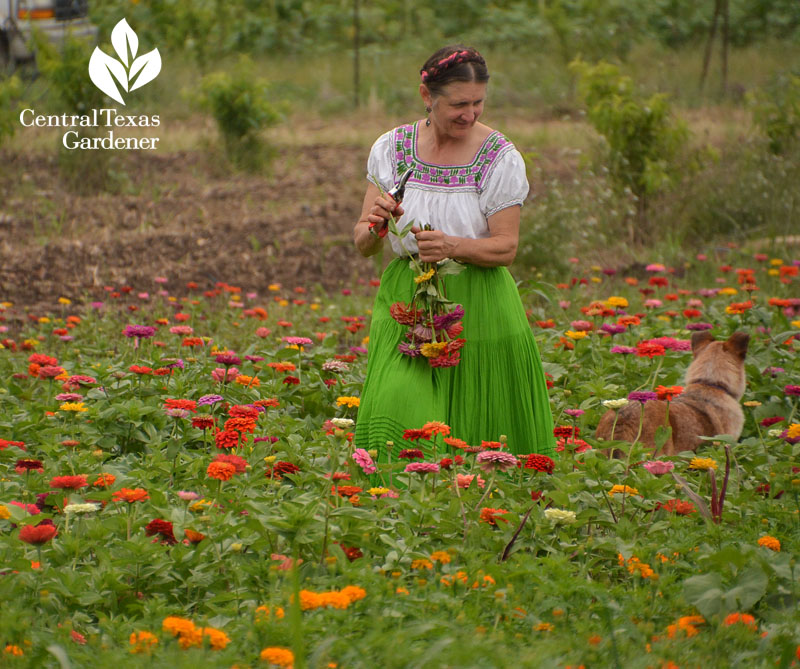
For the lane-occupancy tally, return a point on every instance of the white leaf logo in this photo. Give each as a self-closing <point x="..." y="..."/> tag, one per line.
<point x="103" y="69"/>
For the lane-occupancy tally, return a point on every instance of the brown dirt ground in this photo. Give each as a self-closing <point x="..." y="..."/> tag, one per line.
<point x="183" y="217"/>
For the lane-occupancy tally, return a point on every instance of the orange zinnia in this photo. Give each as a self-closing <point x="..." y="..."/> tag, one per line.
<point x="130" y="495"/>
<point x="222" y="471"/>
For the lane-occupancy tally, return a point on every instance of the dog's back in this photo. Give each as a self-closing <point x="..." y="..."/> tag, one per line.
<point x="709" y="405"/>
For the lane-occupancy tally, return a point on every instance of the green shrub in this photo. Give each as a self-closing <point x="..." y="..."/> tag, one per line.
<point x="644" y="142"/>
<point x="776" y="112"/>
<point x="240" y="104"/>
<point x="10" y="91"/>
<point x="66" y="73"/>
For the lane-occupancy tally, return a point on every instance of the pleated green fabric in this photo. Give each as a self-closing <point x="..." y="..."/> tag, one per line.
<point x="497" y="389"/>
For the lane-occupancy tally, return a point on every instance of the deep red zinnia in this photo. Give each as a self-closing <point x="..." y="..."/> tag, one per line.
<point x="69" y="482"/>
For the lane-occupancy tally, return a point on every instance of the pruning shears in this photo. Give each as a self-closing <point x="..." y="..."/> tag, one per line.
<point x="397" y="193"/>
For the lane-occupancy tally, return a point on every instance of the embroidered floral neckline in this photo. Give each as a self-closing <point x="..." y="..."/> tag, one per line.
<point x="475" y="158"/>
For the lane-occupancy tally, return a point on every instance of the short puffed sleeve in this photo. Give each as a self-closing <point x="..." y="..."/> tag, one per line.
<point x="506" y="183"/>
<point x="380" y="164"/>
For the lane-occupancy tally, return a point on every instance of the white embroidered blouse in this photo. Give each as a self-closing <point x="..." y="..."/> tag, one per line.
<point x="456" y="199"/>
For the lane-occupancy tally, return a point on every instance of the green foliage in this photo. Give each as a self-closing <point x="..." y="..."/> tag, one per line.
<point x="241" y="104"/>
<point x="643" y="139"/>
<point x="65" y="70"/>
<point x="532" y="590"/>
<point x="10" y="92"/>
<point x="776" y="112"/>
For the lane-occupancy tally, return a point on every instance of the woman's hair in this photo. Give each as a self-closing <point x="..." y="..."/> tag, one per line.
<point x="453" y="63"/>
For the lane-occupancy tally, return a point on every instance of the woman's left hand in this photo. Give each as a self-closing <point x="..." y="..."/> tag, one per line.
<point x="433" y="245"/>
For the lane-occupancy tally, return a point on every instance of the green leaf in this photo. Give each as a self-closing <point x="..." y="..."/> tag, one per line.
<point x="705" y="593"/>
<point x="663" y="433"/>
<point x="750" y="587"/>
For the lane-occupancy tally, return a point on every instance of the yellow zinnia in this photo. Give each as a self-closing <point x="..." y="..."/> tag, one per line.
<point x="702" y="463"/>
<point x="73" y="406"/>
<point x="5" y="514"/>
<point x="347" y="401"/>
<point x="421" y="278"/>
<point x="615" y="301"/>
<point x="433" y="349"/>
<point x="378" y="491"/>
<point x="622" y="489"/>
<point x="580" y="334"/>
<point x="727" y="291"/>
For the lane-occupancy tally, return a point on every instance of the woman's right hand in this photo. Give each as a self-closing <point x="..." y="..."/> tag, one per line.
<point x="382" y="209"/>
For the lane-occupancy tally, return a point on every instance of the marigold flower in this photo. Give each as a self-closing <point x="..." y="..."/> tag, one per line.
<point x="421" y="563"/>
<point x="142" y="642"/>
<point x="281" y="657"/>
<point x="263" y="613"/>
<point x="222" y="471"/>
<point x="440" y="556"/>
<point x="130" y="495"/>
<point x="770" y="542"/>
<point x="743" y="618"/>
<point x="217" y="639"/>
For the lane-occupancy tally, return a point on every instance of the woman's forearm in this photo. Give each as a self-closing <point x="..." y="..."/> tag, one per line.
<point x="496" y="251"/>
<point x="366" y="243"/>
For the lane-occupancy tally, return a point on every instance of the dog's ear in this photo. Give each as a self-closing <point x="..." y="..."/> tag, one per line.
<point x="700" y="340"/>
<point x="737" y="344"/>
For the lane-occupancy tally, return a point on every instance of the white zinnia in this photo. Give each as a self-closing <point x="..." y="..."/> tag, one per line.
<point x="775" y="432"/>
<point x="560" y="515"/>
<point x="343" y="423"/>
<point x="615" y="404"/>
<point x="80" y="508"/>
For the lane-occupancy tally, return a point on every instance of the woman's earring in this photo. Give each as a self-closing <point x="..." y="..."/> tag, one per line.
<point x="428" y="120"/>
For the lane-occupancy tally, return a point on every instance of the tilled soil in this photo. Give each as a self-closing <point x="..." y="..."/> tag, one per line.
<point x="182" y="217"/>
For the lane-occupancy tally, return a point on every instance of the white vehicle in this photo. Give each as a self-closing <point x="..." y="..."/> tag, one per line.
<point x="54" y="18"/>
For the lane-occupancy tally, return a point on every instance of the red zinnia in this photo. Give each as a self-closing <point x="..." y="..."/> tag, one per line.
<point x="541" y="463"/>
<point x="24" y="466"/>
<point x="280" y="468"/>
<point x="203" y="422"/>
<point x="649" y="350"/>
<point x="38" y="534"/>
<point x="565" y="431"/>
<point x="187" y="405"/>
<point x="416" y="435"/>
<point x="239" y="463"/>
<point x="240" y="424"/>
<point x="345" y="490"/>
<point x="162" y="528"/>
<point x="140" y="369"/>
<point x="677" y="506"/>
<point x="491" y="445"/>
<point x="130" y="495"/>
<point x="411" y="454"/>
<point x="227" y="439"/>
<point x="243" y="411"/>
<point x="291" y="380"/>
<point x="70" y="482"/>
<point x="668" y="392"/>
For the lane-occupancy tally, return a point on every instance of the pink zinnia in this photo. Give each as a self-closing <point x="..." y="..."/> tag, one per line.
<point x="364" y="460"/>
<point x="219" y="374"/>
<point x="298" y="341"/>
<point x="263" y="332"/>
<point x="658" y="467"/>
<point x="464" y="480"/>
<point x="421" y="468"/>
<point x="188" y="496"/>
<point x="181" y="330"/>
<point x="490" y="460"/>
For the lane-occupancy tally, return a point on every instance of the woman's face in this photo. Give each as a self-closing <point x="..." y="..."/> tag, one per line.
<point x="458" y="108"/>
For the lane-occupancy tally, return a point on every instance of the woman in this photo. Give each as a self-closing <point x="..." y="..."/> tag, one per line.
<point x="468" y="185"/>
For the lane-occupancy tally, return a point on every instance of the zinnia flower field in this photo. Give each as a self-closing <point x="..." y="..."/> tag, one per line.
<point x="179" y="486"/>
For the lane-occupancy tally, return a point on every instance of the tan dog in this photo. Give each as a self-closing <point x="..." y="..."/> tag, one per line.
<point x="709" y="404"/>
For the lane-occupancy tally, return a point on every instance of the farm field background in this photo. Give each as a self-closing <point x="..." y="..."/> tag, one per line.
<point x="185" y="334"/>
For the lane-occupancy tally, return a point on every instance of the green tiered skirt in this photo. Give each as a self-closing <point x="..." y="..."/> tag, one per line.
<point x="498" y="388"/>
